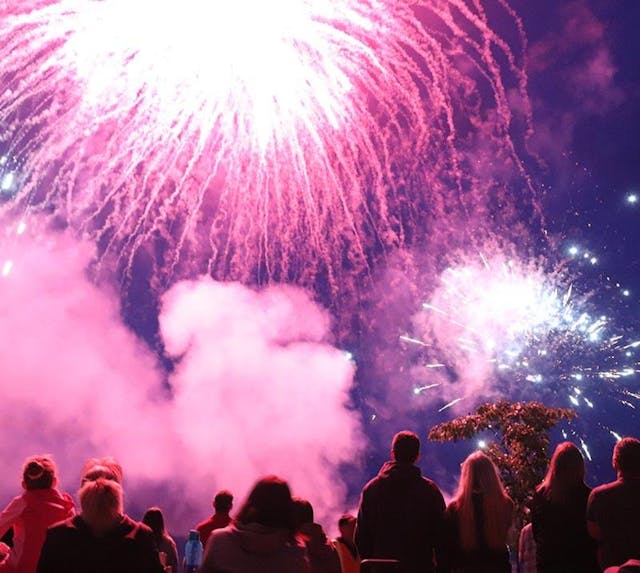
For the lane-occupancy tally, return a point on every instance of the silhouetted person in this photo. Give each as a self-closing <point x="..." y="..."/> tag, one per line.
<point x="346" y="546"/>
<point x="323" y="557"/>
<point x="222" y="504"/>
<point x="401" y="513"/>
<point x="261" y="538"/>
<point x="164" y="543"/>
<point x="558" y="512"/>
<point x="102" y="539"/>
<point x="613" y="510"/>
<point x="32" y="512"/>
<point x="479" y="519"/>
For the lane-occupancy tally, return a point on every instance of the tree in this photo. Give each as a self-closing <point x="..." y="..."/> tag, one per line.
<point x="522" y="441"/>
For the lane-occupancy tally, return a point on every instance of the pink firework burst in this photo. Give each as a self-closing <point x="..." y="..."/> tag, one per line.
<point x="267" y="140"/>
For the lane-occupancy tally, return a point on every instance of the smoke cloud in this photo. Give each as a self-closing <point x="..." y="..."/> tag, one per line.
<point x="257" y="389"/>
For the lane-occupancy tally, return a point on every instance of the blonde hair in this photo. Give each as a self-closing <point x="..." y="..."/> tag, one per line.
<point x="479" y="476"/>
<point x="101" y="501"/>
<point x="566" y="470"/>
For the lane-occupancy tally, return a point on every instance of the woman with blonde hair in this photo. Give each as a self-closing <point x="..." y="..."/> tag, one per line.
<point x="479" y="519"/>
<point x="558" y="512"/>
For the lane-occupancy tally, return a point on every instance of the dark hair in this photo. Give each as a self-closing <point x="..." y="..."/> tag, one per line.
<point x="38" y="472"/>
<point x="155" y="520"/>
<point x="346" y="519"/>
<point x="566" y="470"/>
<point x="269" y="503"/>
<point x="223" y="501"/>
<point x="405" y="447"/>
<point x="302" y="512"/>
<point x="626" y="456"/>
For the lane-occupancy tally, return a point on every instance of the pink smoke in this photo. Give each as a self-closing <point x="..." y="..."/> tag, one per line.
<point x="258" y="388"/>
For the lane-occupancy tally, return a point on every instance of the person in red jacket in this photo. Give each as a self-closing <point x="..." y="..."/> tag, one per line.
<point x="222" y="504"/>
<point x="32" y="512"/>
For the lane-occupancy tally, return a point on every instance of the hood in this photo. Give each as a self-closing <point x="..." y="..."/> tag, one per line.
<point x="52" y="498"/>
<point x="402" y="471"/>
<point x="260" y="539"/>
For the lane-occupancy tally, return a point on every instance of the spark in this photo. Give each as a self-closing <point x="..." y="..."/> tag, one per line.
<point x="22" y="227"/>
<point x="632" y="198"/>
<point x="617" y="436"/>
<point x="419" y="389"/>
<point x="450" y="404"/>
<point x="252" y="140"/>
<point x="7" y="182"/>
<point x="406" y="338"/>
<point x="6" y="268"/>
<point x="585" y="448"/>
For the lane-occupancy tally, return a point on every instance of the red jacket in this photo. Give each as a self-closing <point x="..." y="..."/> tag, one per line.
<point x="30" y="514"/>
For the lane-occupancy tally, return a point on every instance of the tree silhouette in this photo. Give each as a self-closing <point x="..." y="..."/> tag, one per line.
<point x="520" y="450"/>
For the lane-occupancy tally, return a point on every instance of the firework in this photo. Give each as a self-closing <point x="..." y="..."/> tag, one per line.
<point x="261" y="139"/>
<point x="500" y="327"/>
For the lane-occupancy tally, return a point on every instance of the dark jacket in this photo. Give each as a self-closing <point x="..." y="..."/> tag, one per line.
<point x="560" y="531"/>
<point x="71" y="547"/>
<point x="401" y="517"/>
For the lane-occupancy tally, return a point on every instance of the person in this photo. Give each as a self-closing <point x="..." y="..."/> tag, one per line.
<point x="558" y="510"/>
<point x="222" y="504"/>
<point x="345" y="544"/>
<point x="101" y="539"/>
<point x="31" y="513"/>
<point x="401" y="512"/>
<point x="479" y="518"/>
<point x="613" y="509"/>
<point x="527" y="551"/>
<point x="154" y="519"/>
<point x="260" y="540"/>
<point x="323" y="557"/>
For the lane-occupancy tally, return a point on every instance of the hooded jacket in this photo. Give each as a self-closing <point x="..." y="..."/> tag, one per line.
<point x="30" y="514"/>
<point x="253" y="548"/>
<point x="401" y="517"/>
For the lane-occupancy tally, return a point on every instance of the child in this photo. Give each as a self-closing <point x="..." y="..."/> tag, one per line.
<point x="31" y="513"/>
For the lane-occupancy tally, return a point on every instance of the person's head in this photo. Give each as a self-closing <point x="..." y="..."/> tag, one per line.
<point x="479" y="478"/>
<point x="101" y="504"/>
<point x="269" y="503"/>
<point x="480" y="475"/>
<point x="347" y="526"/>
<point x="626" y="457"/>
<point x="302" y="512"/>
<point x="107" y="468"/>
<point x="566" y="470"/>
<point x="405" y="447"/>
<point x="154" y="519"/>
<point x="39" y="472"/>
<point x="223" y="501"/>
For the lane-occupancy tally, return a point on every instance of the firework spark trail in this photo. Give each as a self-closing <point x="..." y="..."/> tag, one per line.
<point x="510" y="328"/>
<point x="279" y="131"/>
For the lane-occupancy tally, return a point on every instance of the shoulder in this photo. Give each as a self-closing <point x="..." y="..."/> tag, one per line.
<point x="605" y="490"/>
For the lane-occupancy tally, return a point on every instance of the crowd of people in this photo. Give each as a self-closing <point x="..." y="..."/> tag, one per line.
<point x="403" y="523"/>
